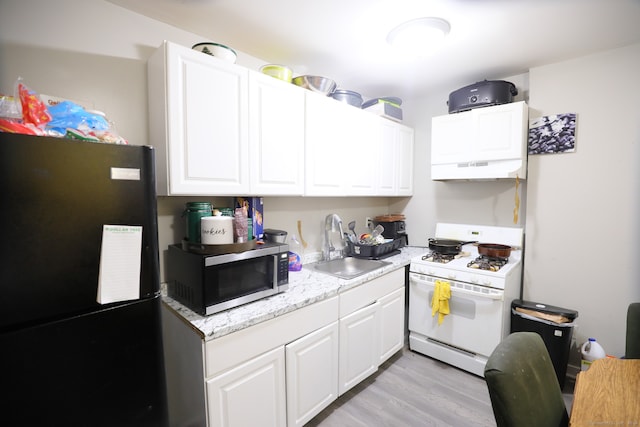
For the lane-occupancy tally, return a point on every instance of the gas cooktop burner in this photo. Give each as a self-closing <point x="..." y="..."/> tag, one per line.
<point x="438" y="257"/>
<point x="488" y="263"/>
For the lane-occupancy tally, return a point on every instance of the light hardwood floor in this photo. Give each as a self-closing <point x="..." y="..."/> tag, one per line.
<point x="414" y="390"/>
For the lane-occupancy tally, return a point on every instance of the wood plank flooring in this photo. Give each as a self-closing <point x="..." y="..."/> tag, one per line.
<point x="411" y="389"/>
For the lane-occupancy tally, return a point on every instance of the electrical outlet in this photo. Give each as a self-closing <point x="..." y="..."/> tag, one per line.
<point x="368" y="222"/>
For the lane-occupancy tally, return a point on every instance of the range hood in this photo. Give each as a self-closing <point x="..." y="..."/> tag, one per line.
<point x="481" y="144"/>
<point x="481" y="170"/>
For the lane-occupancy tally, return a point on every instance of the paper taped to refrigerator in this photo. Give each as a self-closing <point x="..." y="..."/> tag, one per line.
<point x="120" y="258"/>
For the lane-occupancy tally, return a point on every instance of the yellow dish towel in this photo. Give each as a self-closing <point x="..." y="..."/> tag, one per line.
<point x="440" y="300"/>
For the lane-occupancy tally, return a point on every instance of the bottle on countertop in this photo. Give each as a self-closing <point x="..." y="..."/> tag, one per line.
<point x="295" y="254"/>
<point x="591" y="351"/>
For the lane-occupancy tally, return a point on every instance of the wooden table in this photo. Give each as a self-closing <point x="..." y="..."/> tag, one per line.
<point x="607" y="394"/>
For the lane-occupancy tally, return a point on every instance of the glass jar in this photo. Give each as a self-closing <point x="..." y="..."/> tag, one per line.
<point x="193" y="212"/>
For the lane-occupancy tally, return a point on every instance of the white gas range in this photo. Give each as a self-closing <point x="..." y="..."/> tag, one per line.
<point x="481" y="295"/>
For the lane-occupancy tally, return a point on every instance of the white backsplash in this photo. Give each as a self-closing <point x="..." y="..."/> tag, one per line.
<point x="282" y="213"/>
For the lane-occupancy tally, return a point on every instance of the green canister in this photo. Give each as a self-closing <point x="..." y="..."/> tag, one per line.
<point x="193" y="212"/>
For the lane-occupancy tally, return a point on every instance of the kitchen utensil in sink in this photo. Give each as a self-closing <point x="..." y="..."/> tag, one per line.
<point x="352" y="227"/>
<point x="372" y="238"/>
<point x="376" y="232"/>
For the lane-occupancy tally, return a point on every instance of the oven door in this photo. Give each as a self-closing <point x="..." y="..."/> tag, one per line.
<point x="475" y="320"/>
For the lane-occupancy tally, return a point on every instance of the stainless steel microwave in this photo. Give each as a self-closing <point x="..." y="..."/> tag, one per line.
<point x="208" y="284"/>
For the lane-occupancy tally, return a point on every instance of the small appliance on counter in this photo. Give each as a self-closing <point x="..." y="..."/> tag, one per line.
<point x="208" y="283"/>
<point x="481" y="94"/>
<point x="394" y="227"/>
<point x="275" y="236"/>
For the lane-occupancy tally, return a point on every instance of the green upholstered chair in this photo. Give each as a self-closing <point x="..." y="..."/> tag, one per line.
<point x="632" y="349"/>
<point x="523" y="385"/>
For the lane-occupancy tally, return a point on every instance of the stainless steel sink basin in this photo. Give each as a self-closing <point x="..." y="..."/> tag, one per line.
<point x="348" y="268"/>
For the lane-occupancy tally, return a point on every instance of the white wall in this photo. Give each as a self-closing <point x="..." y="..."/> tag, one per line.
<point x="583" y="208"/>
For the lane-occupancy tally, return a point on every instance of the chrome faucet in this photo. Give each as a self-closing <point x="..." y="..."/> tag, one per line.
<point x="331" y="222"/>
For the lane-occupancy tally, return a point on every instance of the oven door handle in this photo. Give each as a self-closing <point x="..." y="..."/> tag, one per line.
<point x="497" y="295"/>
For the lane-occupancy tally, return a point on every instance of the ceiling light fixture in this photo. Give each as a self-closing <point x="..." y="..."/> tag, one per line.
<point x="419" y="35"/>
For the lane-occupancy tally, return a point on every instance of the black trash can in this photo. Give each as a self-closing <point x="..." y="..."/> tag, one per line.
<point x="553" y="324"/>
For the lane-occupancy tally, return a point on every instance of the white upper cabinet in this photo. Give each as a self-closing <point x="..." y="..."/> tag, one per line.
<point x="325" y="150"/>
<point x="395" y="160"/>
<point x="198" y="116"/>
<point x="350" y="152"/>
<point x="276" y="136"/>
<point x="483" y="143"/>
<point x="221" y="129"/>
<point x="405" y="174"/>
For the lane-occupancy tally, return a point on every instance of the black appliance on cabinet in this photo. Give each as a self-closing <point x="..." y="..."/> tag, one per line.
<point x="481" y="94"/>
<point x="65" y="359"/>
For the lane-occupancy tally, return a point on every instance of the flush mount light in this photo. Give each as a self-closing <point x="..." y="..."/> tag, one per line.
<point x="419" y="35"/>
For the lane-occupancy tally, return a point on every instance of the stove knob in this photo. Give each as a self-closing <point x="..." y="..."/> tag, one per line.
<point x="473" y="99"/>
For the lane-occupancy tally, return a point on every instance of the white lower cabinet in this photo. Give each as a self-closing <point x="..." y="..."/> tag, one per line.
<point x="371" y="327"/>
<point x="252" y="394"/>
<point x="312" y="374"/>
<point x="284" y="371"/>
<point x="359" y="346"/>
<point x="391" y="324"/>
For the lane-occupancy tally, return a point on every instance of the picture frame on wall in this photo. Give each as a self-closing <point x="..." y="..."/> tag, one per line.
<point x="552" y="134"/>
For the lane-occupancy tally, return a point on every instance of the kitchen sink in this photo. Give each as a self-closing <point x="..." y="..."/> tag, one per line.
<point x="349" y="267"/>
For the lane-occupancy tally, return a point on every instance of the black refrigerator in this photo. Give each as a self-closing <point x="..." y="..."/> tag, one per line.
<point x="67" y="359"/>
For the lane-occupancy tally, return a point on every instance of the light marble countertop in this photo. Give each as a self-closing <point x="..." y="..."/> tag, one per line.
<point x="305" y="288"/>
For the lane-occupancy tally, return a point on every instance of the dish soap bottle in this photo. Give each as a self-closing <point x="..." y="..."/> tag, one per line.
<point x="591" y="351"/>
<point x="295" y="254"/>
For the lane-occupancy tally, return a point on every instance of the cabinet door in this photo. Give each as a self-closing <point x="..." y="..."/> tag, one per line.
<point x="251" y="394"/>
<point x="361" y="140"/>
<point x="500" y="131"/>
<point x="207" y="113"/>
<point x="312" y="374"/>
<point x="340" y="149"/>
<point x="405" y="161"/>
<point x="324" y="150"/>
<point x="359" y="346"/>
<point x="276" y="136"/>
<point x="388" y="160"/>
<point x="452" y="138"/>
<point x="395" y="159"/>
<point x="391" y="324"/>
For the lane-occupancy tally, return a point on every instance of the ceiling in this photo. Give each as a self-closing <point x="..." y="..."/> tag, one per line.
<point x="345" y="39"/>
